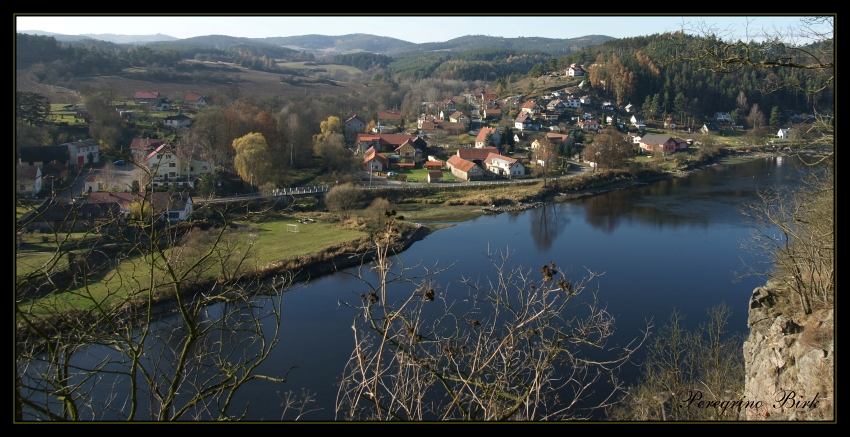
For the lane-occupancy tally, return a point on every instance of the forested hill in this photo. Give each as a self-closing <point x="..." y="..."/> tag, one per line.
<point x="342" y="43"/>
<point x="547" y="45"/>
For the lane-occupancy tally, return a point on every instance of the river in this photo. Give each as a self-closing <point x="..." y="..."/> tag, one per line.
<point x="673" y="244"/>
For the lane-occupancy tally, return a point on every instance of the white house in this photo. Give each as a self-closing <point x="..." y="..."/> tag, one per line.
<point x="482" y="137"/>
<point x="504" y="166"/>
<point x="523" y="121"/>
<point x="177" y="121"/>
<point x="723" y="116"/>
<point x="784" y="133"/>
<point x="28" y="179"/>
<point x="195" y="100"/>
<point x="575" y="70"/>
<point x="83" y="152"/>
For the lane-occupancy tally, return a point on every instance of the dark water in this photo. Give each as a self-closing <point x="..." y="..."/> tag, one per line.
<point x="668" y="245"/>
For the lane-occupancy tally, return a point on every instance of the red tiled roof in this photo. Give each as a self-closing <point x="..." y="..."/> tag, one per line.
<point x="460" y="164"/>
<point x="470" y="154"/>
<point x="435" y="174"/>
<point x="391" y="139"/>
<point x="528" y="104"/>
<point x="434" y="164"/>
<point x="146" y="95"/>
<point x="192" y="97"/>
<point x="123" y="199"/>
<point x="356" y="117"/>
<point x="391" y="114"/>
<point x="483" y="134"/>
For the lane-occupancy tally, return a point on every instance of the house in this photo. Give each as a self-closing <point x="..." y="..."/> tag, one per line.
<point x="552" y="137"/>
<point x="83" y="152"/>
<point x="637" y="121"/>
<point x="710" y="128"/>
<point x="407" y="150"/>
<point x="476" y="155"/>
<point x="459" y="117"/>
<point x="195" y="100"/>
<point x="355" y="123"/>
<point x="54" y="170"/>
<point x="122" y="200"/>
<point x="481" y="139"/>
<point x="388" y="142"/>
<point x="448" y="104"/>
<point x="492" y="114"/>
<point x="589" y="125"/>
<point x="575" y="70"/>
<point x="174" y="207"/>
<point x="585" y="100"/>
<point x="522" y="139"/>
<point x="28" y="179"/>
<point x="434" y="176"/>
<point x="55" y="216"/>
<point x="162" y="105"/>
<point x="146" y="98"/>
<point x="374" y="161"/>
<point x="392" y="117"/>
<point x="664" y="143"/>
<point x="436" y="164"/>
<point x="556" y="106"/>
<point x="41" y="155"/>
<point x="464" y="170"/>
<point x="629" y="108"/>
<point x="670" y="123"/>
<point x="571" y="102"/>
<point x="723" y="117"/>
<point x="549" y="116"/>
<point x="140" y="147"/>
<point x="177" y="121"/>
<point x="784" y="133"/>
<point x="503" y="165"/>
<point x="530" y="108"/>
<point x="488" y="97"/>
<point x="167" y="166"/>
<point x="607" y="106"/>
<point x="92" y="184"/>
<point x="523" y="121"/>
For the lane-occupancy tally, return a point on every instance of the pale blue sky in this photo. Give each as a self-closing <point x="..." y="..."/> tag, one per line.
<point x="408" y="28"/>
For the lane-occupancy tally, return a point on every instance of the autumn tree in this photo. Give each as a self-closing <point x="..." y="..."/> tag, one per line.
<point x="545" y="158"/>
<point x="252" y="161"/>
<point x="609" y="150"/>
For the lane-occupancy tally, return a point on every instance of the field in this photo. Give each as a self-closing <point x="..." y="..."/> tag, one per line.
<point x="330" y="67"/>
<point x="275" y="242"/>
<point x="258" y="83"/>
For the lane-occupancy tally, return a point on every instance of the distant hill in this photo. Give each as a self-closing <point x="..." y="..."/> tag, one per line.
<point x="546" y="45"/>
<point x="110" y="37"/>
<point x="341" y="43"/>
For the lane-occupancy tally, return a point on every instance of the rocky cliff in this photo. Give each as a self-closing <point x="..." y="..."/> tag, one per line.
<point x="789" y="359"/>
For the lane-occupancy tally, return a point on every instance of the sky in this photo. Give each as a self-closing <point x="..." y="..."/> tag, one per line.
<point x="413" y="29"/>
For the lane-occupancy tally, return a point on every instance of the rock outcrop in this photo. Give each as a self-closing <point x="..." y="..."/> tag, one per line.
<point x="789" y="359"/>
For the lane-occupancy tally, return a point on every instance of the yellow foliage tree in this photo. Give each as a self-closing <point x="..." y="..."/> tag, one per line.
<point x="252" y="158"/>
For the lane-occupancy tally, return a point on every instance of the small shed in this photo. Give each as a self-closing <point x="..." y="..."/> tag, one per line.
<point x="434" y="165"/>
<point x="434" y="176"/>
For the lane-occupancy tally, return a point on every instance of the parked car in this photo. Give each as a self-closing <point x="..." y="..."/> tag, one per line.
<point x="119" y="162"/>
<point x="391" y="174"/>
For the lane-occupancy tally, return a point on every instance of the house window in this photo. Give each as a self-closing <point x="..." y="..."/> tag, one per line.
<point x="172" y="174"/>
<point x="204" y="168"/>
<point x="159" y="156"/>
<point x="173" y="215"/>
<point x="172" y="164"/>
<point x="167" y="156"/>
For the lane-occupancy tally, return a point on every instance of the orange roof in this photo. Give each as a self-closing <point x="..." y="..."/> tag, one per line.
<point x="460" y="164"/>
<point x="192" y="97"/>
<point x="434" y="164"/>
<point x="483" y="134"/>
<point x="481" y="153"/>
<point x="528" y="104"/>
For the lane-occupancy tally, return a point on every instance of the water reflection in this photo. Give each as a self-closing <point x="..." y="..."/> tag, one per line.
<point x="546" y="223"/>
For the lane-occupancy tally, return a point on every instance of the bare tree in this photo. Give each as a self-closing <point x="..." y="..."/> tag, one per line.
<point x="794" y="233"/>
<point x="524" y="350"/>
<point x="89" y="345"/>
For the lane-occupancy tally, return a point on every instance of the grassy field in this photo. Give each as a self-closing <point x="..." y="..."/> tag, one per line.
<point x="330" y="67"/>
<point x="275" y="243"/>
<point x="429" y="213"/>
<point x="421" y="175"/>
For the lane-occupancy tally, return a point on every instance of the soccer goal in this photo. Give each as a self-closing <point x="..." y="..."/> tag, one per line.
<point x="292" y="228"/>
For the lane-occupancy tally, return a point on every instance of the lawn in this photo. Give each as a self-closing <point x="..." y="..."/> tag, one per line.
<point x="276" y="243"/>
<point x="421" y="175"/>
